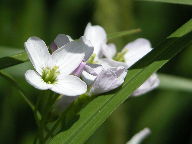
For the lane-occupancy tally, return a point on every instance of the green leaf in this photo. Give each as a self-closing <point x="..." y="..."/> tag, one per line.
<point x="99" y="109"/>
<point x="185" y="2"/>
<point x="175" y="83"/>
<point x="13" y="60"/>
<point x="122" y="33"/>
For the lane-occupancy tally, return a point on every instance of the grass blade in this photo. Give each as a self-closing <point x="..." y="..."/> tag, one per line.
<point x="184" y="2"/>
<point x="13" y="60"/>
<point x="122" y="33"/>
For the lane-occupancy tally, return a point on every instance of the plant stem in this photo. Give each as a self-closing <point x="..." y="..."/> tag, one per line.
<point x="48" y="102"/>
<point x="15" y="84"/>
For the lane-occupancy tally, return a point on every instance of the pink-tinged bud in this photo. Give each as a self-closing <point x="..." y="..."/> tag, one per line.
<point x="79" y="69"/>
<point x="108" y="79"/>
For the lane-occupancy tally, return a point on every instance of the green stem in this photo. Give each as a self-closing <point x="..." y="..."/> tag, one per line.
<point x="38" y="120"/>
<point x="15" y="84"/>
<point x="54" y="127"/>
<point x="50" y="100"/>
<point x="50" y="132"/>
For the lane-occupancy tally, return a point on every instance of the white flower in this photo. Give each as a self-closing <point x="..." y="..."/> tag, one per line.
<point x="53" y="71"/>
<point x="98" y="38"/>
<point x="112" y="73"/>
<point x="139" y="137"/>
<point x="102" y="79"/>
<point x="130" y="54"/>
<point x="105" y="55"/>
<point x="108" y="80"/>
<point x="135" y="51"/>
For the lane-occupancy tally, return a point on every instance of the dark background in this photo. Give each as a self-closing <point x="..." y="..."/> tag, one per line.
<point x="167" y="112"/>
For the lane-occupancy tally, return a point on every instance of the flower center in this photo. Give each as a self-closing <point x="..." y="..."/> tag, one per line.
<point x="120" y="56"/>
<point x="49" y="75"/>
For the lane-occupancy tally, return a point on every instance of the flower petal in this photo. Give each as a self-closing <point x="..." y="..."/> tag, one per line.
<point x="136" y="50"/>
<point x="107" y="63"/>
<point x="93" y="69"/>
<point x="61" y="40"/>
<point x="70" y="86"/>
<point x="151" y="83"/>
<point x="35" y="80"/>
<point x="138" y="138"/>
<point x="38" y="53"/>
<point x="79" y="69"/>
<point x="69" y="56"/>
<point x="108" y="80"/>
<point x="88" y="78"/>
<point x="88" y="48"/>
<point x="109" y="50"/>
<point x="97" y="36"/>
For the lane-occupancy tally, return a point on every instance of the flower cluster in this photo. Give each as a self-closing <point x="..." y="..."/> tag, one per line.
<point x="89" y="65"/>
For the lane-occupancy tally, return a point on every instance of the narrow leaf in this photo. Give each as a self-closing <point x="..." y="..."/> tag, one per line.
<point x="185" y="2"/>
<point x="175" y="83"/>
<point x="123" y="33"/>
<point x="99" y="109"/>
<point x="13" y="60"/>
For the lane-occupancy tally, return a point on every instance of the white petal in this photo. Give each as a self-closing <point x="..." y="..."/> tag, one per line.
<point x="93" y="69"/>
<point x="97" y="35"/>
<point x="88" y="48"/>
<point x="88" y="78"/>
<point x="140" y="136"/>
<point x="151" y="83"/>
<point x="61" y="40"/>
<point x="109" y="50"/>
<point x="69" y="56"/>
<point x="70" y="86"/>
<point x="70" y="38"/>
<point x="38" y="53"/>
<point x="35" y="80"/>
<point x="107" y="63"/>
<point x="136" y="50"/>
<point x="108" y="80"/>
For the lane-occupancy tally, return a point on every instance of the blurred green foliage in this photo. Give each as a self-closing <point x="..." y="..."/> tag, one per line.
<point x="166" y="112"/>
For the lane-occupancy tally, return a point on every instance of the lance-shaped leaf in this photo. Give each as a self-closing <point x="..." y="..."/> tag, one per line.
<point x="13" y="60"/>
<point x="99" y="109"/>
<point x="185" y="2"/>
<point x="122" y="33"/>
